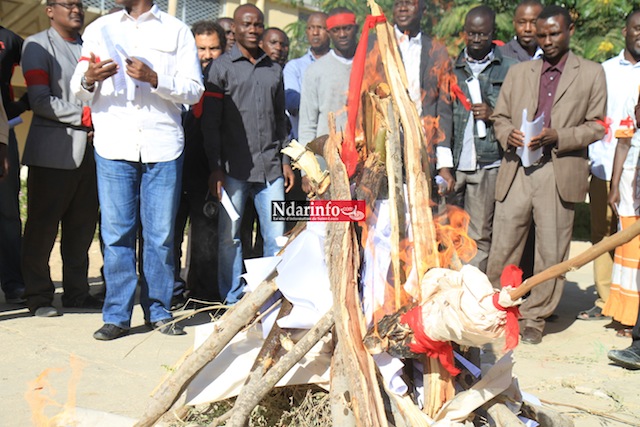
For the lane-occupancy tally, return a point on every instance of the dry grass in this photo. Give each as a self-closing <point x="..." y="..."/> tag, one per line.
<point x="294" y="406"/>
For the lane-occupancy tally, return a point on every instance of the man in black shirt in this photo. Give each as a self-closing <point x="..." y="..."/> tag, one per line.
<point x="244" y="127"/>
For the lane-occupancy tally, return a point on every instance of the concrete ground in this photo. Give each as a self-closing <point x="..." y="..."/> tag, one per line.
<point x="569" y="367"/>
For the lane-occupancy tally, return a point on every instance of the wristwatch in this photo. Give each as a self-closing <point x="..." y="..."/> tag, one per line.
<point x="85" y="85"/>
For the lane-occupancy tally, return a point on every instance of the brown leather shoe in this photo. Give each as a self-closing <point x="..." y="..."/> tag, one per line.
<point x="531" y="336"/>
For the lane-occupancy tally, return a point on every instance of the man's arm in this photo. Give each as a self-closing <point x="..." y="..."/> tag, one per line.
<point x="309" y="108"/>
<point x="211" y="125"/>
<point x="185" y="87"/>
<point x="292" y="88"/>
<point x="591" y="130"/>
<point x="36" y="64"/>
<point x="501" y="117"/>
<point x="4" y="140"/>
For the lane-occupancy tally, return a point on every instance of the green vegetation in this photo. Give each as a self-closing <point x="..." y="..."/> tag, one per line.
<point x="597" y="35"/>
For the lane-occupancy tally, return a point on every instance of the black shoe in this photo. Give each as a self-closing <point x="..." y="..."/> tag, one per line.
<point x="166" y="327"/>
<point x="628" y="358"/>
<point x="88" y="302"/>
<point x="46" y="312"/>
<point x="109" y="332"/>
<point x="177" y="302"/>
<point x="531" y="336"/>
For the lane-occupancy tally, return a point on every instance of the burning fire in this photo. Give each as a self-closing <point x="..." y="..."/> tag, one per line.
<point x="40" y="395"/>
<point x="454" y="243"/>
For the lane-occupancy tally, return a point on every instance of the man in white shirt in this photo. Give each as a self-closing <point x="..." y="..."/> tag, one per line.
<point x="623" y="74"/>
<point x="138" y="66"/>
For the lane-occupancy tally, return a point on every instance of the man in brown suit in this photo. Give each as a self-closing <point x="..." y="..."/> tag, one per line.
<point x="571" y="94"/>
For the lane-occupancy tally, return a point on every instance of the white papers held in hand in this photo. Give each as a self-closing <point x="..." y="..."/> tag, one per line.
<point x="476" y="98"/>
<point x="228" y="206"/>
<point x="530" y="129"/>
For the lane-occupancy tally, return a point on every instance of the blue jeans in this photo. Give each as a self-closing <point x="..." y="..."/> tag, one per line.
<point x="229" y="244"/>
<point x="10" y="225"/>
<point x="130" y="192"/>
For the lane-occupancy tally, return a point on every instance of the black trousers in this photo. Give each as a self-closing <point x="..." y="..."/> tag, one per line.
<point x="202" y="279"/>
<point x="68" y="198"/>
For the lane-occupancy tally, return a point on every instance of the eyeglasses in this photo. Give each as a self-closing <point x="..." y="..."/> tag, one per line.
<point x="68" y="6"/>
<point x="482" y="36"/>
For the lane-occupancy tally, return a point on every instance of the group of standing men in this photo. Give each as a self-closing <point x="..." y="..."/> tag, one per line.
<point x="137" y="67"/>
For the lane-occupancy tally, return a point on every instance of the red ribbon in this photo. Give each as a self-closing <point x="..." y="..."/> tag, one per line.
<point x="86" y="117"/>
<point x="511" y="276"/>
<point x="349" y="153"/>
<point x="498" y="42"/>
<point x="197" y="108"/>
<point x="341" y="20"/>
<point x="458" y="93"/>
<point x="606" y="124"/>
<point x="441" y="350"/>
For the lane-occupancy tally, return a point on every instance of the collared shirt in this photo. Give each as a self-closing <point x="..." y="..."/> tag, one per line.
<point x="549" y="79"/>
<point x="133" y="120"/>
<point x="293" y="72"/>
<point x="468" y="161"/>
<point x="243" y="123"/>
<point x="622" y="76"/>
<point x="411" y="51"/>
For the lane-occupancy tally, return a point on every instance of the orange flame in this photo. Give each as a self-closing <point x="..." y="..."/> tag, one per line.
<point x="40" y="395"/>
<point x="454" y="243"/>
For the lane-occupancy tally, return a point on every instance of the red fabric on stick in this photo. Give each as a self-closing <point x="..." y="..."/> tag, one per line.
<point x="441" y="350"/>
<point x="511" y="276"/>
<point x="349" y="153"/>
<point x="340" y="20"/>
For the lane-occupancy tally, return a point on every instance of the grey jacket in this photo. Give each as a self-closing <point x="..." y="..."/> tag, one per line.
<point x="56" y="137"/>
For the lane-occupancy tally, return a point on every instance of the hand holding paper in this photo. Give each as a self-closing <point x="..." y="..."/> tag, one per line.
<point x="530" y="130"/>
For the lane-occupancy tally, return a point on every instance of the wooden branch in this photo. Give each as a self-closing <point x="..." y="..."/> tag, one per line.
<point x="247" y="401"/>
<point x="343" y="259"/>
<point x="605" y="245"/>
<point x="229" y="325"/>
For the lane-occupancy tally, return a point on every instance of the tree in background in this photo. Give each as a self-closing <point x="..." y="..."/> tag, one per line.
<point x="597" y="36"/>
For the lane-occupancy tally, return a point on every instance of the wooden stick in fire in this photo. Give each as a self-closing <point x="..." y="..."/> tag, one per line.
<point x="605" y="245"/>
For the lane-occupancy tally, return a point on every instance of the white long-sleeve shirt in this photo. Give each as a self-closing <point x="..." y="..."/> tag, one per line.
<point x="134" y="121"/>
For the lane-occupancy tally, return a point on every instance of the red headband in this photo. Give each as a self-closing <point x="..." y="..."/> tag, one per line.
<point x="340" y="20"/>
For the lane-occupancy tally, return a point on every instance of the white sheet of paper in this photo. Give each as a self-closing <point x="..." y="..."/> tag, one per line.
<point x="530" y="129"/>
<point x="258" y="269"/>
<point x="476" y="98"/>
<point x="228" y="206"/>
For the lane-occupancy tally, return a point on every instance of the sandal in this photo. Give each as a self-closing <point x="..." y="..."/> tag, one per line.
<point x="624" y="333"/>
<point x="594" y="313"/>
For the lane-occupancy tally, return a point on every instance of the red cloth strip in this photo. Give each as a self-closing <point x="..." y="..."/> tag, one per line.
<point x="511" y="276"/>
<point x="341" y="20"/>
<point x="197" y="109"/>
<point x="349" y="153"/>
<point x="441" y="350"/>
<point x="86" y="117"/>
<point x="36" y="77"/>
<point x="460" y="95"/>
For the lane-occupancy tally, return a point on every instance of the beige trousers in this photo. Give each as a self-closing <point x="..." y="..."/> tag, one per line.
<point x="533" y="197"/>
<point x="603" y="223"/>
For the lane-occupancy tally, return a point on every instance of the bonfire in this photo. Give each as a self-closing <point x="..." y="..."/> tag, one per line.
<point x="391" y="288"/>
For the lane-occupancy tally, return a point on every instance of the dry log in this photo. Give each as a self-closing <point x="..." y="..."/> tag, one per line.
<point x="247" y="401"/>
<point x="230" y="323"/>
<point x="342" y="255"/>
<point x="605" y="245"/>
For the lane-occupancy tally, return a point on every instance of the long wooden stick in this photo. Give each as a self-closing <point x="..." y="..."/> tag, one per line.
<point x="605" y="245"/>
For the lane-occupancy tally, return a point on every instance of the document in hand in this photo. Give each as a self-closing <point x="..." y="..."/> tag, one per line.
<point x="530" y="129"/>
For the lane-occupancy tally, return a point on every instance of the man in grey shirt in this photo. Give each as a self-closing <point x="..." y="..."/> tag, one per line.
<point x="244" y="127"/>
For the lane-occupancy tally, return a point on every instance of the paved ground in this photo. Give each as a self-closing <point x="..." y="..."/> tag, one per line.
<point x="570" y="366"/>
